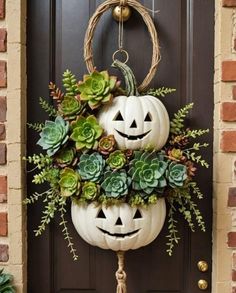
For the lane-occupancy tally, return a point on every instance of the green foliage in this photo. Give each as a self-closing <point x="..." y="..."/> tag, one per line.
<point x="176" y="174"/>
<point x="70" y="107"/>
<point x="6" y="283"/>
<point x="49" y="109"/>
<point x="97" y="88"/>
<point x="177" y="123"/>
<point x="36" y="126"/>
<point x="172" y="236"/>
<point x="196" y="133"/>
<point x="196" y="158"/>
<point x="69" y="182"/>
<point x="65" y="231"/>
<point x="160" y="92"/>
<point x="116" y="160"/>
<point x="39" y="160"/>
<point x="196" y="190"/>
<point x="70" y="83"/>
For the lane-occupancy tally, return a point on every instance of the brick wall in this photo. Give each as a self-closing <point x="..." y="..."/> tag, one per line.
<point x="224" y="255"/>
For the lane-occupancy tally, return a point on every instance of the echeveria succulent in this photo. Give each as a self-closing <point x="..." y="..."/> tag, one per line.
<point x="65" y="157"/>
<point x="176" y="174"/>
<point x="54" y="135"/>
<point x="116" y="184"/>
<point x="176" y="155"/>
<point x="97" y="88"/>
<point x="69" y="107"/>
<point x="147" y="171"/>
<point x="116" y="160"/>
<point x="91" y="167"/>
<point x="90" y="191"/>
<point x="69" y="182"/>
<point x="85" y="132"/>
<point x="106" y="144"/>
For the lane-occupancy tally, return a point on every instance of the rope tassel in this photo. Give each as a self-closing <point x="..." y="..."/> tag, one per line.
<point x="120" y="273"/>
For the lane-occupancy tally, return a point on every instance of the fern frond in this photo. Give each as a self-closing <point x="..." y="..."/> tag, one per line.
<point x="196" y="133"/>
<point x="36" y="126"/>
<point x="177" y="123"/>
<point x="55" y="92"/>
<point x="160" y="92"/>
<point x="196" y="158"/>
<point x="49" y="109"/>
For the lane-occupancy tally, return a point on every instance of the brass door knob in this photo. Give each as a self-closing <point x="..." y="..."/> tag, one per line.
<point x="202" y="284"/>
<point x="202" y="266"/>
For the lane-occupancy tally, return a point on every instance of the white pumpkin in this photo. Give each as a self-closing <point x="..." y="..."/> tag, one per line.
<point x="119" y="227"/>
<point x="136" y="122"/>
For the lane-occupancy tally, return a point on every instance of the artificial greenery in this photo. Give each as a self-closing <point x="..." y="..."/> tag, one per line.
<point x="6" y="283"/>
<point x="83" y="163"/>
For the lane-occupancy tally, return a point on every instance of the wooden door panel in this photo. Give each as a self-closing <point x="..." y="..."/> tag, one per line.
<point x="56" y="31"/>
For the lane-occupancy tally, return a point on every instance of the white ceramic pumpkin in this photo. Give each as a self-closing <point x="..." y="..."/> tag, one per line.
<point x="118" y="227"/>
<point x="136" y="122"/>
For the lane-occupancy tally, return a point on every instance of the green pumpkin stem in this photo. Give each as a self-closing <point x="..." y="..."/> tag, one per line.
<point x="130" y="80"/>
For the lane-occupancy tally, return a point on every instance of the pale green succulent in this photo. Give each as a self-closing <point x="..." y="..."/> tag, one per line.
<point x="86" y="132"/>
<point x="90" y="191"/>
<point x="147" y="172"/>
<point x="116" y="184"/>
<point x="116" y="160"/>
<point x="69" y="107"/>
<point x="70" y="182"/>
<point x="91" y="167"/>
<point x="97" y="88"/>
<point x="53" y="135"/>
<point x="176" y="174"/>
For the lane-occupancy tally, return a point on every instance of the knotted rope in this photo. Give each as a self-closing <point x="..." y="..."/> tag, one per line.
<point x="120" y="273"/>
<point x="143" y="11"/>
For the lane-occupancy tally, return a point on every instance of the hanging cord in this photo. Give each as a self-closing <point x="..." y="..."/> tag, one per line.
<point x="120" y="273"/>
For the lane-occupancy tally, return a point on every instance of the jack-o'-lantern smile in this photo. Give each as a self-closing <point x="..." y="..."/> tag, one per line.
<point x="119" y="235"/>
<point x="133" y="137"/>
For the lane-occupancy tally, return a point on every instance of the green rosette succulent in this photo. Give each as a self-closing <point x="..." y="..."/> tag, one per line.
<point x="116" y="184"/>
<point x="85" y="132"/>
<point x="54" y="135"/>
<point x="70" y="182"/>
<point x="147" y="172"/>
<point x="69" y="107"/>
<point x="90" y="191"/>
<point x="176" y="174"/>
<point x="65" y="157"/>
<point x="91" y="167"/>
<point x="107" y="144"/>
<point x="116" y="160"/>
<point x="97" y="88"/>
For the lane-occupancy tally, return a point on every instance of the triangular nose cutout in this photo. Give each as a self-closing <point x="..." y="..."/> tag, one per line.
<point x="133" y="125"/>
<point x="119" y="222"/>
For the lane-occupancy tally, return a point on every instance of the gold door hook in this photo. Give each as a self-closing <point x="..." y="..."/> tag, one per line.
<point x="121" y="13"/>
<point x="202" y="285"/>
<point x="202" y="266"/>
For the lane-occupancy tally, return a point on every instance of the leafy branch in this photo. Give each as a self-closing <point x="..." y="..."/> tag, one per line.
<point x="63" y="223"/>
<point x="160" y="92"/>
<point x="172" y="229"/>
<point x="70" y="83"/>
<point x="49" y="109"/>
<point x="196" y="133"/>
<point x="196" y="190"/>
<point x="56" y="93"/>
<point x="196" y="158"/>
<point x="177" y="123"/>
<point x="36" y="126"/>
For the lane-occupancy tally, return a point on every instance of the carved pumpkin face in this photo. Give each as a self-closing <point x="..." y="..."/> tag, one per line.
<point x="136" y="122"/>
<point x="118" y="227"/>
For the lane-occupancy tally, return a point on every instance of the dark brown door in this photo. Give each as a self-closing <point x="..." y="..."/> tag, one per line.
<point x="56" y="31"/>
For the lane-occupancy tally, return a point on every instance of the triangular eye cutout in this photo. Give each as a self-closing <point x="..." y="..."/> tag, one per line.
<point x="148" y="117"/>
<point x="118" y="117"/>
<point x="101" y="215"/>
<point x="138" y="214"/>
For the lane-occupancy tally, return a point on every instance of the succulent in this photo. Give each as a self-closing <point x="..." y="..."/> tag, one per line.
<point x="54" y="135"/>
<point x="191" y="169"/>
<point x="116" y="183"/>
<point x="70" y="83"/>
<point x="116" y="160"/>
<point x="91" y="167"/>
<point x="6" y="283"/>
<point x="69" y="107"/>
<point x="176" y="174"/>
<point x="106" y="144"/>
<point x="97" y="88"/>
<point x="176" y="155"/>
<point x="147" y="171"/>
<point x="90" y="191"/>
<point x="69" y="182"/>
<point x="65" y="157"/>
<point x="85" y="132"/>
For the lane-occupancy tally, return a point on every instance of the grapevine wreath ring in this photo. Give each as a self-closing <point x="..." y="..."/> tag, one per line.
<point x="107" y="5"/>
